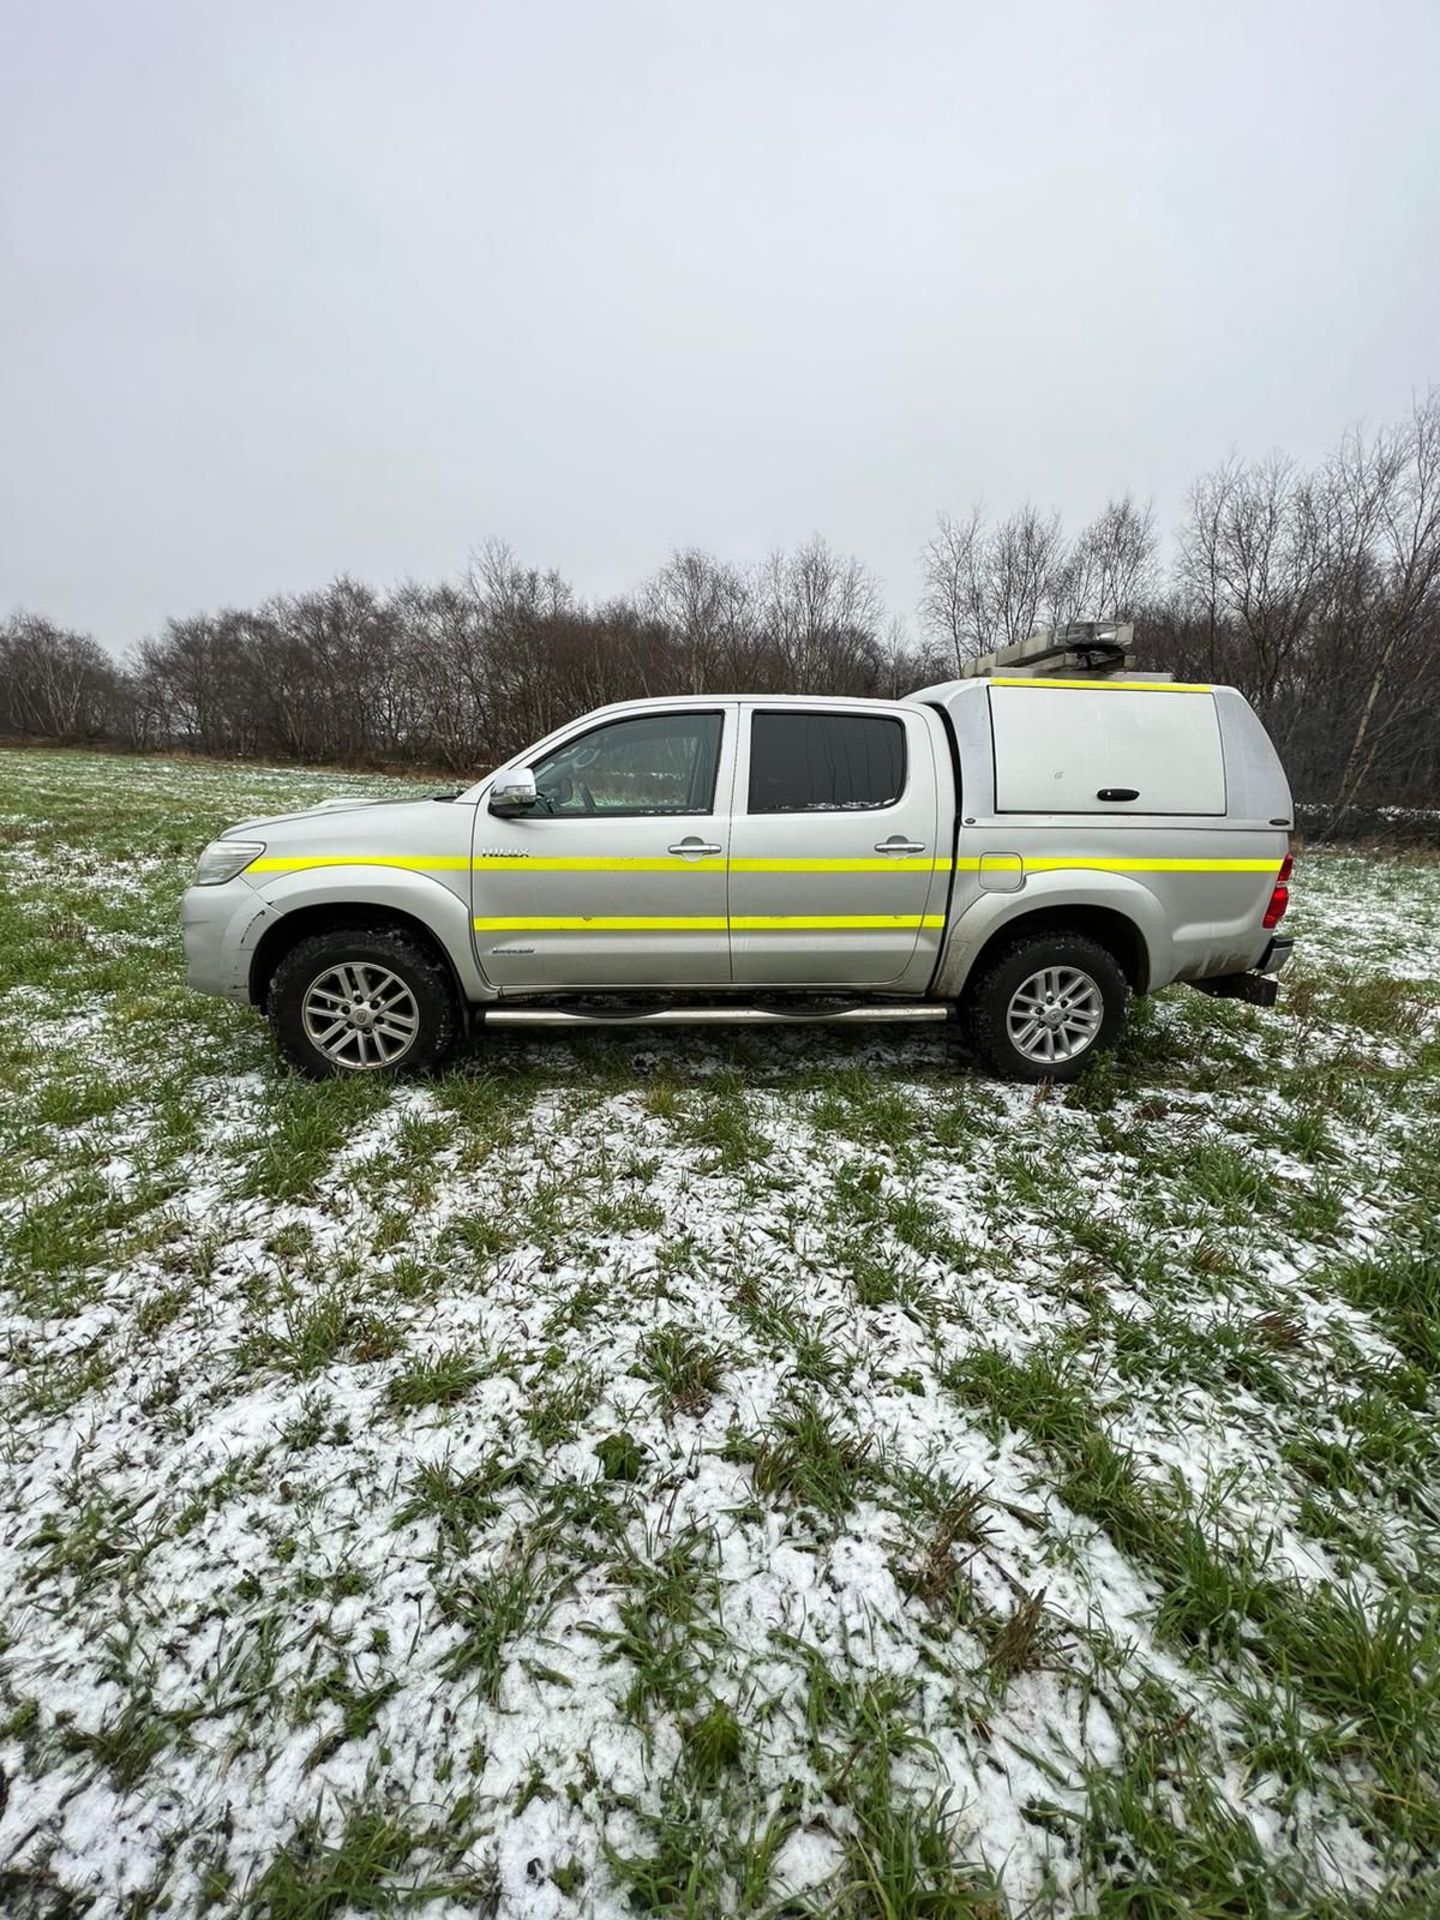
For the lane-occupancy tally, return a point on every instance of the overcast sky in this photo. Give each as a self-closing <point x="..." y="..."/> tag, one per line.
<point x="294" y="289"/>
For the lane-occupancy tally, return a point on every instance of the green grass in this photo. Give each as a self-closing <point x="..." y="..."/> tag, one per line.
<point x="314" y="1334"/>
<point x="363" y="1871"/>
<point x="714" y="1744"/>
<point x="554" y="1413"/>
<point x="664" y="1636"/>
<point x="488" y="1613"/>
<point x="808" y="1458"/>
<point x="1401" y="1289"/>
<point x="685" y="1370"/>
<point x="462" y="1504"/>
<point x="439" y="1382"/>
<point x="1159" y="1842"/>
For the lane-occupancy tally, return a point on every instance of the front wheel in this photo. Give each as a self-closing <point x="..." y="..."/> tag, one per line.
<point x="1045" y="1006"/>
<point x="362" y="1000"/>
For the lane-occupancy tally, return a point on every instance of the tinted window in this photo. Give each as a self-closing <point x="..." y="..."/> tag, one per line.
<point x="809" y="762"/>
<point x="658" y="763"/>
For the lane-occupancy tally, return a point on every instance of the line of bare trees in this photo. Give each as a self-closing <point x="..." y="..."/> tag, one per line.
<point x="457" y="674"/>
<point x="1317" y="593"/>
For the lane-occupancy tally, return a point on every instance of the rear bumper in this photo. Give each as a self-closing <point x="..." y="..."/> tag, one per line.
<point x="1258" y="985"/>
<point x="1276" y="954"/>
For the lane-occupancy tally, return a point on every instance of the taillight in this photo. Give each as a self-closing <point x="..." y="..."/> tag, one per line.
<point x="1280" y="897"/>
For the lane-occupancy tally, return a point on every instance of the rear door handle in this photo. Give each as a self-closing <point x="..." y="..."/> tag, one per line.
<point x="696" y="847"/>
<point x="899" y="846"/>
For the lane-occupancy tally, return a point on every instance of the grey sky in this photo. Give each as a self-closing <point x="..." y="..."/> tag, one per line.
<point x="291" y="289"/>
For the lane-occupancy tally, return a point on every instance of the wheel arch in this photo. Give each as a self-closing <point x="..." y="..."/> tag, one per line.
<point x="284" y="934"/>
<point x="1117" y="931"/>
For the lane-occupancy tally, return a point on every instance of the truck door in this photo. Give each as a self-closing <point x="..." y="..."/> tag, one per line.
<point x="617" y="878"/>
<point x="837" y="872"/>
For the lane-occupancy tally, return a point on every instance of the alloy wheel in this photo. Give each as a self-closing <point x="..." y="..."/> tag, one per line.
<point x="1055" y="1015"/>
<point x="360" y="1016"/>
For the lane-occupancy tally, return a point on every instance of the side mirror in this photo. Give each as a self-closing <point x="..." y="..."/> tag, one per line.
<point x="514" y="792"/>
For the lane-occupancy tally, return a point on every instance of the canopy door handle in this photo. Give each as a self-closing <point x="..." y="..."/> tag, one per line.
<point x="1118" y="793"/>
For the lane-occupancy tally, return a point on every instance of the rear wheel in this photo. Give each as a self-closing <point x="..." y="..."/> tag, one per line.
<point x="1042" y="1008"/>
<point x="362" y="1000"/>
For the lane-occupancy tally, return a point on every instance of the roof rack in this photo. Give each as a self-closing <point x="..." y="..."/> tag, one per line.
<point x="1085" y="649"/>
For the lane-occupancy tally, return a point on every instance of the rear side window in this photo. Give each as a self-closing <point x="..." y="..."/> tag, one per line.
<point x="825" y="762"/>
<point x="1058" y="748"/>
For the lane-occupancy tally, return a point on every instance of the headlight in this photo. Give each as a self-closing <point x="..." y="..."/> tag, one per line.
<point x="223" y="859"/>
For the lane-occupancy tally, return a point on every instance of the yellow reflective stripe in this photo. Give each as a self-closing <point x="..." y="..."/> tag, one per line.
<point x="631" y="923"/>
<point x="1112" y="686"/>
<point x="886" y="863"/>
<point x="487" y="863"/>
<point x="716" y="863"/>
<point x="410" y="862"/>
<point x="616" y="923"/>
<point x="758" y="923"/>
<point x="595" y="863"/>
<point x="1058" y="863"/>
<point x="704" y="863"/>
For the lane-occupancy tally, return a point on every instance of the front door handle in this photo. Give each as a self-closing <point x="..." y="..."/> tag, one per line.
<point x="897" y="845"/>
<point x="694" y="846"/>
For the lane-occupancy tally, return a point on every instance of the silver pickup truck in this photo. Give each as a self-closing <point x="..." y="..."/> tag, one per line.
<point x="1021" y="851"/>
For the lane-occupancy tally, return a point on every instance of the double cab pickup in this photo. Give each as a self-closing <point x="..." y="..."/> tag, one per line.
<point x="1019" y="853"/>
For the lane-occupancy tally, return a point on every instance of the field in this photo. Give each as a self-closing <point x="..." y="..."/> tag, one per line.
<point x="764" y="1475"/>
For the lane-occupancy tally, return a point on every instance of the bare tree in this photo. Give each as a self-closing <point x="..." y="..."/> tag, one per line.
<point x="949" y="602"/>
<point x="53" y="683"/>
<point x="1110" y="570"/>
<point x="819" y="615"/>
<point x="1255" y="557"/>
<point x="987" y="587"/>
<point x="708" y="608"/>
<point x="1392" y="604"/>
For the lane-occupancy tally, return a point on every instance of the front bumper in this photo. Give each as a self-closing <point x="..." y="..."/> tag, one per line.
<point x="221" y="927"/>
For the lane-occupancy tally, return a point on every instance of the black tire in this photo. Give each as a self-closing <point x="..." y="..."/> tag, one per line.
<point x="390" y="950"/>
<point x="986" y="1008"/>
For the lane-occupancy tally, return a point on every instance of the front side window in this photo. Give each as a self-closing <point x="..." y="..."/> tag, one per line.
<point x="656" y="763"/>
<point x="825" y="762"/>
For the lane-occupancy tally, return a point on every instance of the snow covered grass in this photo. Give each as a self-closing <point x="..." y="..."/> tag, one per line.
<point x="767" y="1474"/>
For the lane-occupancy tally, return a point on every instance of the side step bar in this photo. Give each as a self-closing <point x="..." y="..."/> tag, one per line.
<point x="710" y="1017"/>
